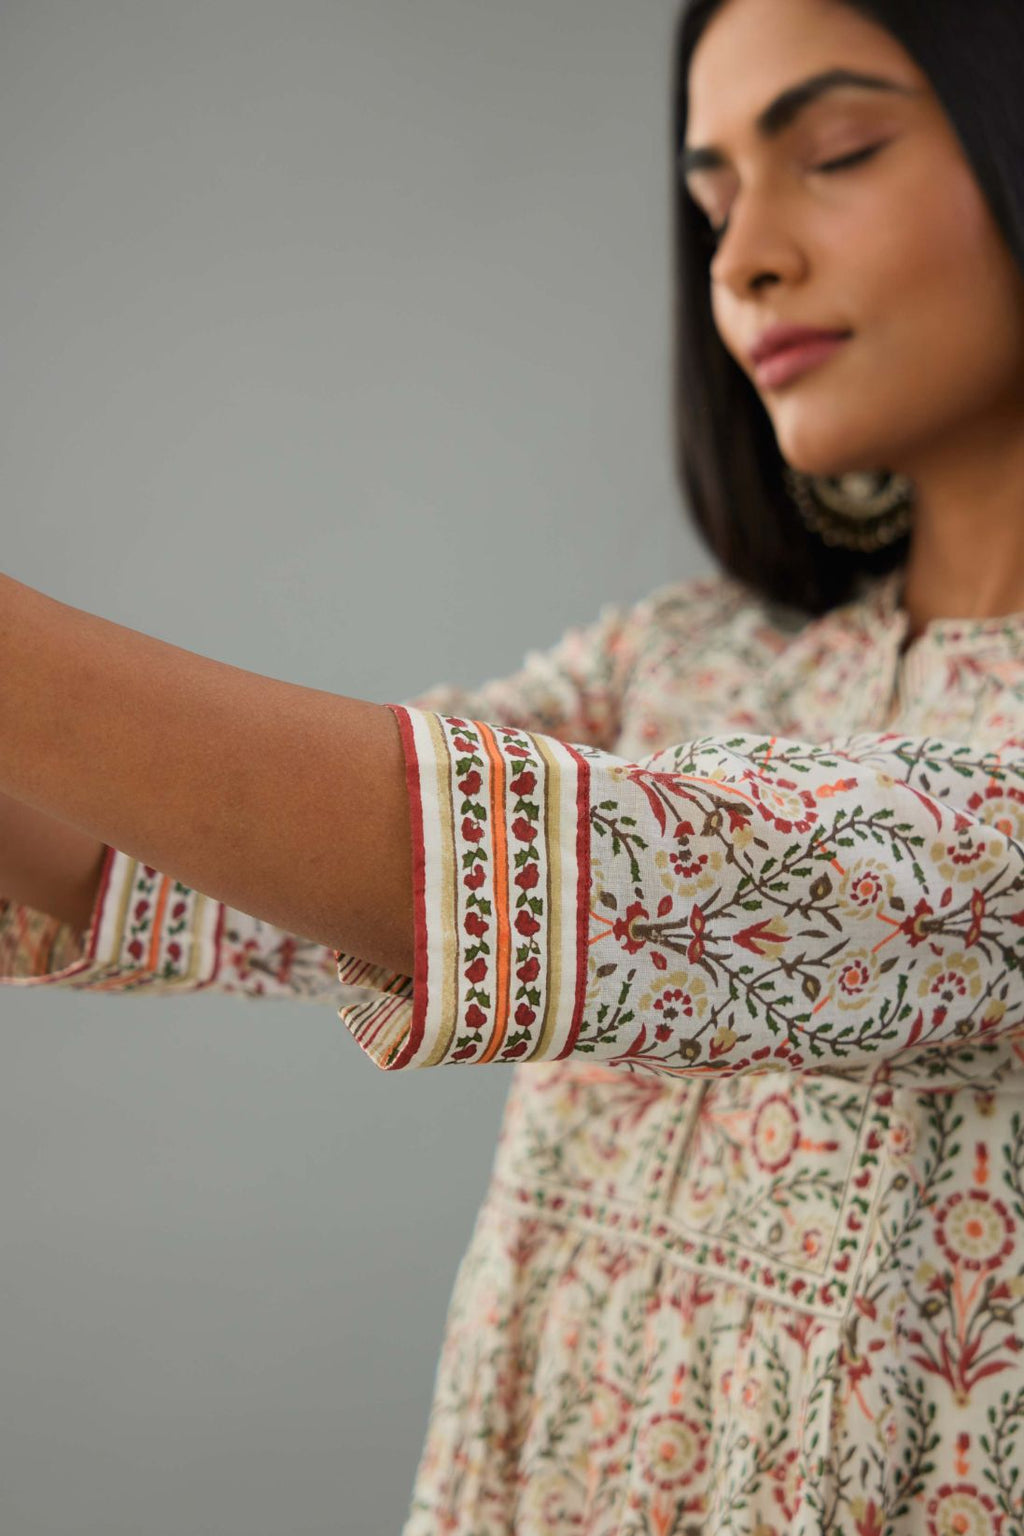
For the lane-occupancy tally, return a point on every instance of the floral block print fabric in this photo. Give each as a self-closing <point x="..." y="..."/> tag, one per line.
<point x="742" y="894"/>
<point x="734" y="904"/>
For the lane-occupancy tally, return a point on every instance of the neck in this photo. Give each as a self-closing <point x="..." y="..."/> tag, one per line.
<point x="966" y="559"/>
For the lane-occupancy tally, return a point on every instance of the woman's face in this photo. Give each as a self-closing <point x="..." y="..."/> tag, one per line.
<point x="901" y="249"/>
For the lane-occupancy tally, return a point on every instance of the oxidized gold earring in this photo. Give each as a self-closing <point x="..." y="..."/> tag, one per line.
<point x="863" y="511"/>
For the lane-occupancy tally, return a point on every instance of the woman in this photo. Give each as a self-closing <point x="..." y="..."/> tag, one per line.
<point x="737" y="874"/>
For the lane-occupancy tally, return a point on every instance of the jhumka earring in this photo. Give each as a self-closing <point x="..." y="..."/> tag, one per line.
<point x="864" y="511"/>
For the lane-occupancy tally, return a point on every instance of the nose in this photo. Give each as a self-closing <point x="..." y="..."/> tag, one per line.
<point x="758" y="246"/>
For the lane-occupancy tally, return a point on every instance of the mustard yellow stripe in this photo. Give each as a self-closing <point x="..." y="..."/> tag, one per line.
<point x="195" y="929"/>
<point x="120" y="929"/>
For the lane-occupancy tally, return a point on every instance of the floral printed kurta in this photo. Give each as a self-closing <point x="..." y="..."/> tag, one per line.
<point x="744" y="895"/>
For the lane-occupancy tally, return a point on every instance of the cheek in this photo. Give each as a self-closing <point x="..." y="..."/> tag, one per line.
<point x="946" y="290"/>
<point x="936" y="301"/>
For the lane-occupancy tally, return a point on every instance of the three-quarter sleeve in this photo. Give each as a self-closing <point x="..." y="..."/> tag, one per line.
<point x="149" y="932"/>
<point x="730" y="904"/>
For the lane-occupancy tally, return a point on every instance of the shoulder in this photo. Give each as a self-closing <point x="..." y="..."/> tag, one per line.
<point x="717" y="611"/>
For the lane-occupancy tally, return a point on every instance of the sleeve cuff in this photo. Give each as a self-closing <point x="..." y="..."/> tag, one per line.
<point x="499" y="823"/>
<point x="147" y="930"/>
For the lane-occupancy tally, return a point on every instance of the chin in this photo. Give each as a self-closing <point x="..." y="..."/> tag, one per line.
<point x="831" y="463"/>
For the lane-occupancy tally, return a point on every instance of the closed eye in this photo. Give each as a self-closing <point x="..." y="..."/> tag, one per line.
<point x="713" y="236"/>
<point x="849" y="161"/>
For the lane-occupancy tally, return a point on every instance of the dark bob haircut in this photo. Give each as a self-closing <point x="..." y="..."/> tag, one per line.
<point x="727" y="460"/>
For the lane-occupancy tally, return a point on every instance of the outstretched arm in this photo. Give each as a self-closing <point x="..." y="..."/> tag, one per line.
<point x="285" y="802"/>
<point x="136" y="929"/>
<point x="729" y="904"/>
<point x="48" y="865"/>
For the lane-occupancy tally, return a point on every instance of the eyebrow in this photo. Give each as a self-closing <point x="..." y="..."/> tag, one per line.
<point x="786" y="108"/>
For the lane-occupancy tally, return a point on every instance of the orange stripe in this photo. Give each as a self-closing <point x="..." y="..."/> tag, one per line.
<point x="690" y="778"/>
<point x="158" y="917"/>
<point x="503" y="939"/>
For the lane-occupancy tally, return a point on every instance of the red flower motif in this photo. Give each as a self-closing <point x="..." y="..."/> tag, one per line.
<point x="178" y="910"/>
<point x="913" y="926"/>
<point x="962" y="1507"/>
<point x="477" y="971"/>
<point x="757" y="934"/>
<point x="774" y="1133"/>
<point x="739" y="817"/>
<point x="475" y="1017"/>
<point x="174" y="951"/>
<point x="871" y="1522"/>
<point x="286" y="952"/>
<point x="475" y="924"/>
<point x="523" y="831"/>
<point x="471" y="783"/>
<point x="136" y="949"/>
<point x="624" y="928"/>
<point x="996" y="792"/>
<point x="698" y="923"/>
<point x="141" y="908"/>
<point x="675" y="1449"/>
<point x="472" y="831"/>
<point x="974" y="1229"/>
<point x="673" y="1002"/>
<point x="795" y="798"/>
<point x="529" y="970"/>
<point x="475" y="879"/>
<point x="527" y="878"/>
<point x="525" y="1016"/>
<point x="527" y="925"/>
<point x="685" y="864"/>
<point x="524" y="783"/>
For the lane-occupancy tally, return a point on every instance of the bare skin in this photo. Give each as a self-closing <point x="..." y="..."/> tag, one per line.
<point x="47" y="864"/>
<point x="285" y="802"/>
<point x="289" y="803"/>
<point x="903" y="251"/>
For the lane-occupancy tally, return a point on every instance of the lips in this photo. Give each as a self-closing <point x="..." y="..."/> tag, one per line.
<point x="780" y="337"/>
<point x="786" y="363"/>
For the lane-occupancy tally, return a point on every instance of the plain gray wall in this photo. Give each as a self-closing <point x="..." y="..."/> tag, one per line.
<point x="336" y="346"/>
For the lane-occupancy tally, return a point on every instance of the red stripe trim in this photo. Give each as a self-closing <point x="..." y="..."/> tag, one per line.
<point x="499" y="894"/>
<point x="382" y="1015"/>
<point x="352" y="972"/>
<point x="583" y="884"/>
<point x="218" y="943"/>
<point x="419" y="891"/>
<point x="93" y="935"/>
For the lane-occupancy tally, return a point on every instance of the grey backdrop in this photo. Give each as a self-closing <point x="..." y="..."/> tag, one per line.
<point x="336" y="346"/>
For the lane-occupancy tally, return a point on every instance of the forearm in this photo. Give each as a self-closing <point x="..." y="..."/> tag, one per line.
<point x="47" y="864"/>
<point x="285" y="802"/>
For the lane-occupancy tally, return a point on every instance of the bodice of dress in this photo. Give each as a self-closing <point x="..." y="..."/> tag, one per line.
<point x="756" y="1301"/>
<point x="770" y="1302"/>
